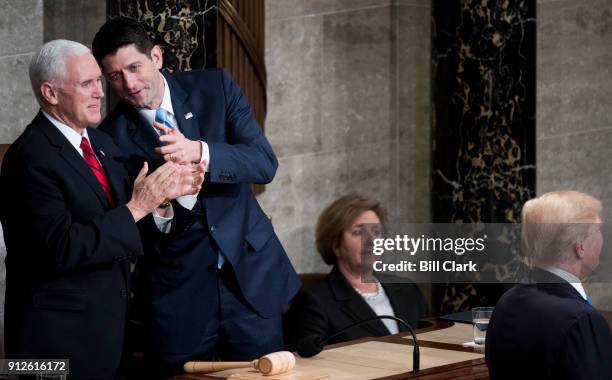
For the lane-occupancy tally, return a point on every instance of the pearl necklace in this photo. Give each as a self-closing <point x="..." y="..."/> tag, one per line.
<point x="370" y="296"/>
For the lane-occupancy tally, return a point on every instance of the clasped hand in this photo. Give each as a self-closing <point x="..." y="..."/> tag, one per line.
<point x="169" y="181"/>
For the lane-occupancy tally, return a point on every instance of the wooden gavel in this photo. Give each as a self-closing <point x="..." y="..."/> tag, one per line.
<point x="271" y="364"/>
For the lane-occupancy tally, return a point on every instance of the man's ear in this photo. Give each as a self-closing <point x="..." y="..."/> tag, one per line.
<point x="49" y="93"/>
<point x="579" y="250"/>
<point x="157" y="56"/>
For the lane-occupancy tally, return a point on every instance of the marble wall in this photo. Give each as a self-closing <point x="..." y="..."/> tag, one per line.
<point x="76" y="20"/>
<point x="21" y="34"/>
<point x="574" y="93"/>
<point x="348" y="110"/>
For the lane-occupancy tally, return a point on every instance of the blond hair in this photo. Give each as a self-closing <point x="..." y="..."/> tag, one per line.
<point x="339" y="216"/>
<point x="553" y="223"/>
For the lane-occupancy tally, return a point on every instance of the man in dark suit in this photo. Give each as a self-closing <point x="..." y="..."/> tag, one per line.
<point x="69" y="221"/>
<point x="217" y="277"/>
<point x="546" y="327"/>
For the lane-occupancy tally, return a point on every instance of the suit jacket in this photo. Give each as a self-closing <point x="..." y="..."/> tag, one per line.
<point x="544" y="329"/>
<point x="67" y="251"/>
<point x="333" y="305"/>
<point x="181" y="267"/>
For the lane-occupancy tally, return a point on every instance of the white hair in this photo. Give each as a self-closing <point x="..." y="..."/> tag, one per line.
<point x="48" y="64"/>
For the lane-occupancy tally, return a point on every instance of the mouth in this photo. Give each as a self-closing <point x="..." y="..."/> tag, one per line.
<point x="134" y="93"/>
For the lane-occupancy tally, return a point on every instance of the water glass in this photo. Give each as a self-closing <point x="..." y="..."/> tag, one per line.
<point x="480" y="320"/>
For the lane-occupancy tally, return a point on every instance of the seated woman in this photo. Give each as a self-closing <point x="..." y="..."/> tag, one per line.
<point x="342" y="298"/>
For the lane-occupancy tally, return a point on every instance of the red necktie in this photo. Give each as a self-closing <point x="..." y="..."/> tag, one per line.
<point x="96" y="168"/>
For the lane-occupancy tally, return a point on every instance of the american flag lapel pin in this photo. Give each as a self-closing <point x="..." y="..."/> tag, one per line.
<point x="102" y="153"/>
<point x="188" y="115"/>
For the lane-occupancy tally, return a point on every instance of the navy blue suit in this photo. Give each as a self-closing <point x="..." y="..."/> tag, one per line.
<point x="180" y="268"/>
<point x="67" y="252"/>
<point x="544" y="329"/>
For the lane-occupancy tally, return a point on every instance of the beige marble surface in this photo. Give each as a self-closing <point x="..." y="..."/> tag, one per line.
<point x="574" y="122"/>
<point x="348" y="106"/>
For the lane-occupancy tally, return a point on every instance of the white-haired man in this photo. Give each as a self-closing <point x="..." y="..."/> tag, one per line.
<point x="546" y="327"/>
<point x="69" y="218"/>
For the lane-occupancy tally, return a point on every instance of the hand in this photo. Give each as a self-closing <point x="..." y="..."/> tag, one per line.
<point x="152" y="190"/>
<point x="190" y="181"/>
<point x="177" y="147"/>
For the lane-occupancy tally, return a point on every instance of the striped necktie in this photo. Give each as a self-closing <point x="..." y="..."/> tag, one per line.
<point x="96" y="168"/>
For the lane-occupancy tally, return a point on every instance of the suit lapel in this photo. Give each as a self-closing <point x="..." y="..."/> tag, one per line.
<point x="141" y="133"/>
<point x="187" y="121"/>
<point x="354" y="305"/>
<point x="71" y="156"/>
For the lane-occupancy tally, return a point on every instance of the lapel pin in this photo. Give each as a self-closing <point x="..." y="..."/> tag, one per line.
<point x="102" y="153"/>
<point x="188" y="115"/>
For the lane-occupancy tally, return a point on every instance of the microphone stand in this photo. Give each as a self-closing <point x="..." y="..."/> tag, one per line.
<point x="416" y="356"/>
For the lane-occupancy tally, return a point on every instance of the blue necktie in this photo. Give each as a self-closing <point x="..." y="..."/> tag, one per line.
<point x="167" y="119"/>
<point x="589" y="300"/>
<point x="164" y="117"/>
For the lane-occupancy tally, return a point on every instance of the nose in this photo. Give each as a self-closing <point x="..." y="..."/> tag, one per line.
<point x="129" y="82"/>
<point x="99" y="92"/>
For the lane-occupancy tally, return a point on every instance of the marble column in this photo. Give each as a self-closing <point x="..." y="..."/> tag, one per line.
<point x="484" y="126"/>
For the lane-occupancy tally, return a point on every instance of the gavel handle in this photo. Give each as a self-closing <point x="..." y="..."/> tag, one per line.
<point x="205" y="367"/>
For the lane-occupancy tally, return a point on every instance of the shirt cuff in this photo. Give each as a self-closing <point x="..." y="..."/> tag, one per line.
<point x="164" y="223"/>
<point x="205" y="154"/>
<point x="187" y="201"/>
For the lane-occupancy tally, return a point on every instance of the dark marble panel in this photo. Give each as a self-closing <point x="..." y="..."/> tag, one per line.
<point x="484" y="93"/>
<point x="179" y="26"/>
<point x="484" y="125"/>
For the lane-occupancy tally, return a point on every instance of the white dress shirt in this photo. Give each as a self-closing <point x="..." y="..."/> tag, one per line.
<point x="164" y="224"/>
<point x="567" y="276"/>
<point x="73" y="137"/>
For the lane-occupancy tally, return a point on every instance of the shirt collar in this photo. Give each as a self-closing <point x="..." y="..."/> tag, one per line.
<point x="569" y="277"/>
<point x="149" y="115"/>
<point x="73" y="137"/>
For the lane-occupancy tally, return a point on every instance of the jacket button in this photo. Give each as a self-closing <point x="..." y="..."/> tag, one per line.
<point x="212" y="229"/>
<point x="123" y="292"/>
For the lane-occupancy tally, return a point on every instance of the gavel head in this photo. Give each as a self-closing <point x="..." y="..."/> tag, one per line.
<point x="276" y="363"/>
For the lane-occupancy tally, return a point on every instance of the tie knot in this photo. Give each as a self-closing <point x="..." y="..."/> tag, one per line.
<point x="85" y="144"/>
<point x="164" y="117"/>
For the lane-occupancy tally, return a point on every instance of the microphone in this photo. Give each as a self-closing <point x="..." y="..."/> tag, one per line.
<point x="311" y="345"/>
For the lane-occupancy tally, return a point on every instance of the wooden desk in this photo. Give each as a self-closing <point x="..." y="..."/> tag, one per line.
<point x="474" y="368"/>
<point x="441" y="335"/>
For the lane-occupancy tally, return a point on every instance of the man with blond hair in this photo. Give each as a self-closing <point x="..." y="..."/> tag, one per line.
<point x="546" y="327"/>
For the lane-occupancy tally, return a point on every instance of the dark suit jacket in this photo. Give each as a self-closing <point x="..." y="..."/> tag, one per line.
<point x="67" y="251"/>
<point x="180" y="267"/>
<point x="333" y="304"/>
<point x="544" y="329"/>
